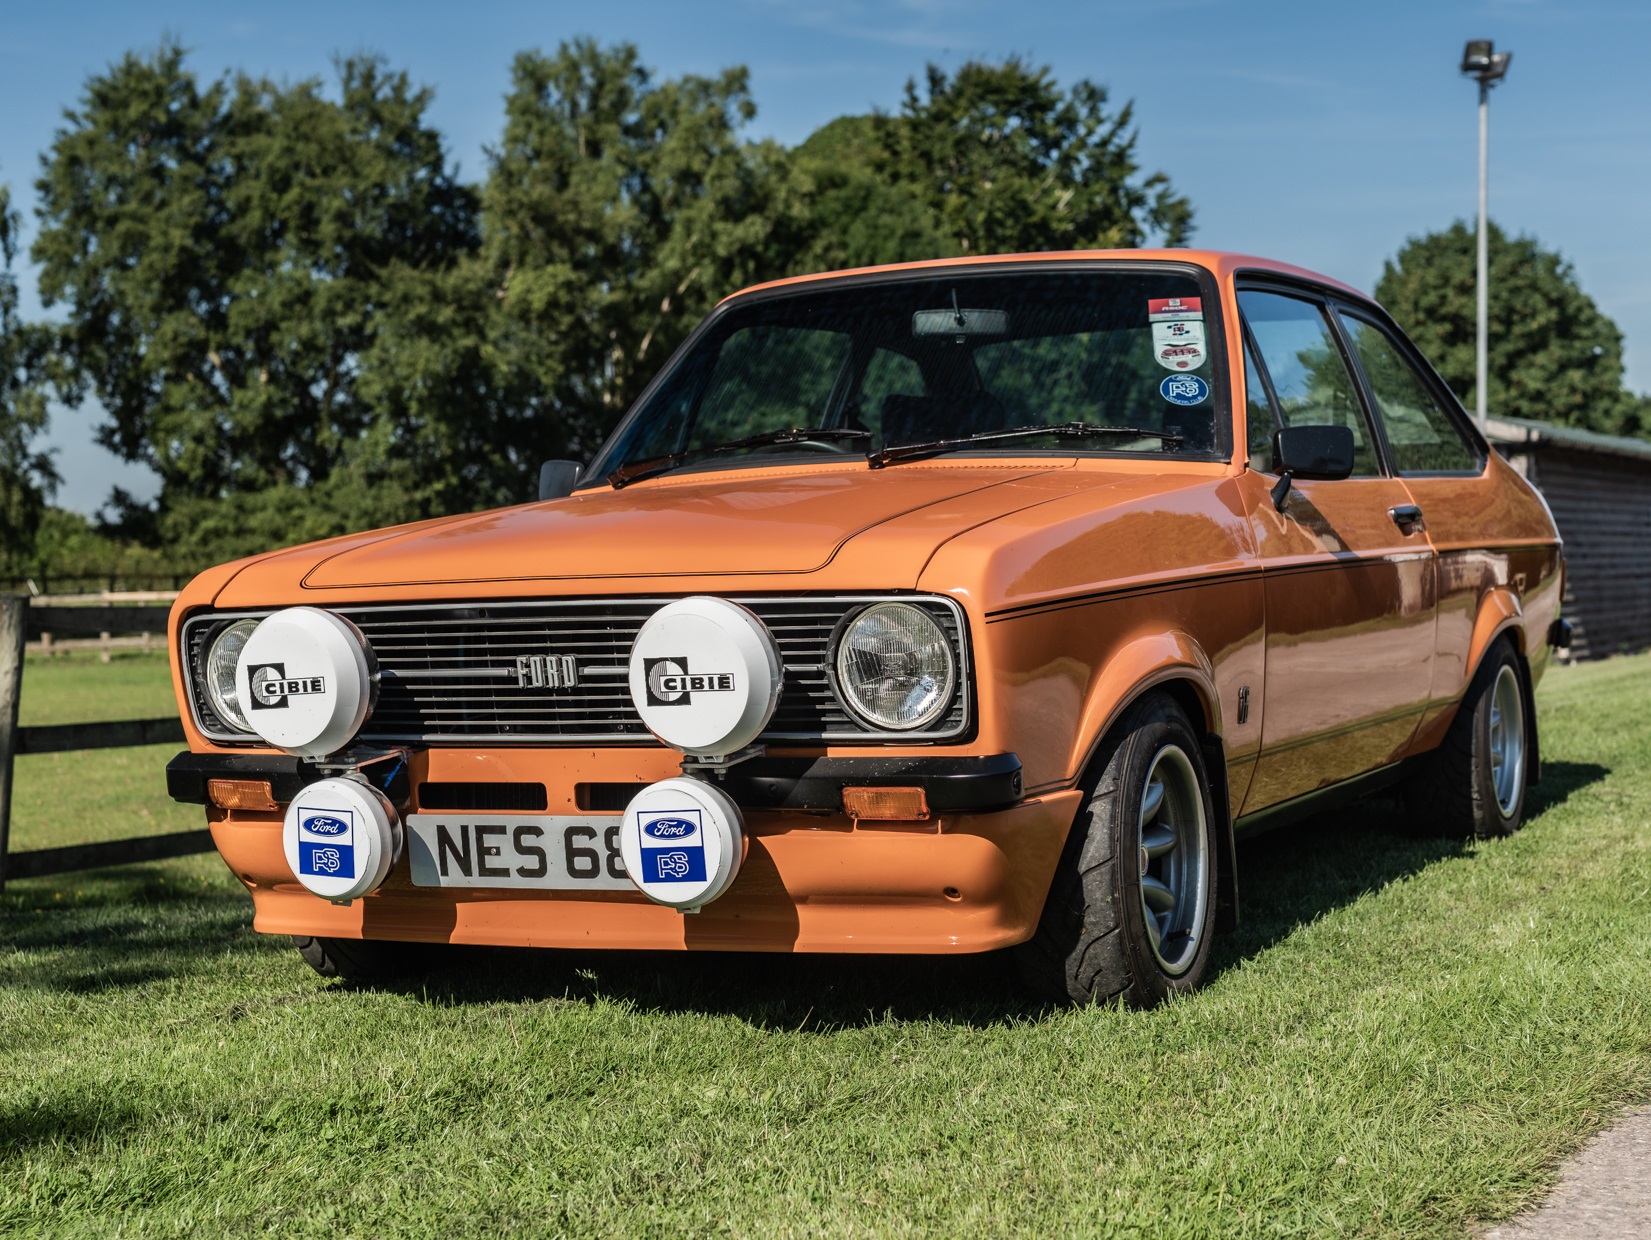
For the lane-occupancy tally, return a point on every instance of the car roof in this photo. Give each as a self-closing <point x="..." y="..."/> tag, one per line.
<point x="1222" y="263"/>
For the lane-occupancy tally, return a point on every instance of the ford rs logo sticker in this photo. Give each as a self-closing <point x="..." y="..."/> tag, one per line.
<point x="327" y="860"/>
<point x="670" y="828"/>
<point x="674" y="865"/>
<point x="320" y="825"/>
<point x="1184" y="390"/>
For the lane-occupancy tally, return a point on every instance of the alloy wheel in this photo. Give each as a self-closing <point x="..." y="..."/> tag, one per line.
<point x="1174" y="859"/>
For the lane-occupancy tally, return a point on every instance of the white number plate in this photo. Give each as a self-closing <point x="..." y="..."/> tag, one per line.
<point x="544" y="852"/>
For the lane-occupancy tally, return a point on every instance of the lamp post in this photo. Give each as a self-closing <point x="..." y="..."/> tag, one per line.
<point x="1482" y="62"/>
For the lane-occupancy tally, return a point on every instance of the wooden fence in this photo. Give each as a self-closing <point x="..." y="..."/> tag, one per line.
<point x="19" y="623"/>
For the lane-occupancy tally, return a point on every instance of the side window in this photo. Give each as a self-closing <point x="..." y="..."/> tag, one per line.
<point x="887" y="374"/>
<point x="1419" y="431"/>
<point x="1299" y="350"/>
<point x="1258" y="413"/>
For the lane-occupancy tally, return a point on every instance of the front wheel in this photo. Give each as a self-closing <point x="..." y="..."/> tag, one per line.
<point x="1132" y="909"/>
<point x="363" y="961"/>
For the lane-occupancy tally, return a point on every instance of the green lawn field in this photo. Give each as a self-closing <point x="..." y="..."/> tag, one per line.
<point x="1403" y="1038"/>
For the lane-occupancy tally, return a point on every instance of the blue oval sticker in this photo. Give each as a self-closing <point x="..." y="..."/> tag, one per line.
<point x="1184" y="390"/>
<point x="670" y="828"/>
<point x="325" y="826"/>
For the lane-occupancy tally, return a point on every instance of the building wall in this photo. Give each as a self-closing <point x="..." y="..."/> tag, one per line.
<point x="1602" y="504"/>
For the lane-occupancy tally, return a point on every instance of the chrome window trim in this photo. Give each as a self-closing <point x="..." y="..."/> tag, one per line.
<point x="850" y="602"/>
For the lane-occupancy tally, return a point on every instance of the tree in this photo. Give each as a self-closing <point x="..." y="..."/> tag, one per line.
<point x="1553" y="355"/>
<point x="239" y="262"/>
<point x="856" y="214"/>
<point x="26" y="476"/>
<point x="1005" y="161"/>
<point x="616" y="212"/>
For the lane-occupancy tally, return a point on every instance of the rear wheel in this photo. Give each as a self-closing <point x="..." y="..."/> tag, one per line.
<point x="1132" y="909"/>
<point x="362" y="960"/>
<point x="1474" y="783"/>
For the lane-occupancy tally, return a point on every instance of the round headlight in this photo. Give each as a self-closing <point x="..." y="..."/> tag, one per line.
<point x="221" y="659"/>
<point x="895" y="668"/>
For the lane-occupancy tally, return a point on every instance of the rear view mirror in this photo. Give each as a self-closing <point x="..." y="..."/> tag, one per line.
<point x="557" y="478"/>
<point x="1311" y="452"/>
<point x="960" y="323"/>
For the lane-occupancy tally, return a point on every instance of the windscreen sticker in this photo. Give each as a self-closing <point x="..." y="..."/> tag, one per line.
<point x="1180" y="356"/>
<point x="1178" y="331"/>
<point x="1163" y="309"/>
<point x="1184" y="390"/>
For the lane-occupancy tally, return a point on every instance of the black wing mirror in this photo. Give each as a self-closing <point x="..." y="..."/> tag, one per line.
<point x="1311" y="452"/>
<point x="558" y="478"/>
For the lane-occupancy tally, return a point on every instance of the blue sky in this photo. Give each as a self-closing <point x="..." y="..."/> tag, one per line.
<point x="1321" y="133"/>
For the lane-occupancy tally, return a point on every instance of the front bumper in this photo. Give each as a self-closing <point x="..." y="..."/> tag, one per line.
<point x="809" y="884"/>
<point x="972" y="877"/>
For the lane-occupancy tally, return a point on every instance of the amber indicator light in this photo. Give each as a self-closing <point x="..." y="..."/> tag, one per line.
<point x="893" y="804"/>
<point x="241" y="794"/>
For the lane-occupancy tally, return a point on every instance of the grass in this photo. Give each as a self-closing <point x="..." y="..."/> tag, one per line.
<point x="108" y="794"/>
<point x="1403" y="1038"/>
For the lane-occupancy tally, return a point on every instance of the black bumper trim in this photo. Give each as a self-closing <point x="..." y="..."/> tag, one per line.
<point x="951" y="785"/>
<point x="187" y="773"/>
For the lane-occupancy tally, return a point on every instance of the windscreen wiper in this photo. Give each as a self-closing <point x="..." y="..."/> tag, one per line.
<point x="635" y="471"/>
<point x="1064" y="430"/>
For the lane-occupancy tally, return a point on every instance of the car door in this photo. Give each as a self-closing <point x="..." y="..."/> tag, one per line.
<point x="1444" y="471"/>
<point x="1483" y="526"/>
<point x="1349" y="584"/>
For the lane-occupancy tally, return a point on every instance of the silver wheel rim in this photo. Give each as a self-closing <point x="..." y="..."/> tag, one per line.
<point x="1173" y="846"/>
<point x="1507" y="740"/>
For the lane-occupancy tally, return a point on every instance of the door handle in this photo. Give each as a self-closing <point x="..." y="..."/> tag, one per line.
<point x="1405" y="516"/>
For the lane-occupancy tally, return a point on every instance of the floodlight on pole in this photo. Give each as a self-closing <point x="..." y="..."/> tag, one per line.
<point x="1482" y="62"/>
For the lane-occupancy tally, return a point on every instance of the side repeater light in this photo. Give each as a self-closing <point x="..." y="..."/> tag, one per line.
<point x="886" y="804"/>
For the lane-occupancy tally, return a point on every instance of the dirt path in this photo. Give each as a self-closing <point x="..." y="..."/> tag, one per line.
<point x="1604" y="1191"/>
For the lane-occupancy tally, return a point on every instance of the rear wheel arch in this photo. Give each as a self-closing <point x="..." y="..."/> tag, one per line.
<point x="1501" y="619"/>
<point x="1500" y="615"/>
<point x="1462" y="787"/>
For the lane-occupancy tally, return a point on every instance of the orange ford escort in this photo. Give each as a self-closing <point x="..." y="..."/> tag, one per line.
<point x="938" y="608"/>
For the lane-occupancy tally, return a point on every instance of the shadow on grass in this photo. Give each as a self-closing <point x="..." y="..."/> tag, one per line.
<point x="1288" y="878"/>
<point x="115" y="929"/>
<point x="73" y="1122"/>
<point x="130" y="927"/>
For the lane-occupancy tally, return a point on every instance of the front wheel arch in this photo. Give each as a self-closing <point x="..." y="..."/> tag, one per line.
<point x="1095" y="940"/>
<point x="1194" y="694"/>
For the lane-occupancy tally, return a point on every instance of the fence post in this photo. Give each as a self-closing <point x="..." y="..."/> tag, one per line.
<point x="13" y="629"/>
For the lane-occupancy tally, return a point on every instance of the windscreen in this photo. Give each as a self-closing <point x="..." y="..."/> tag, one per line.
<point x="922" y="360"/>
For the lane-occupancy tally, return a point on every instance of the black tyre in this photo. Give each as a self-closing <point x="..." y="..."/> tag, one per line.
<point x="1474" y="783"/>
<point x="362" y="960"/>
<point x="1132" y="909"/>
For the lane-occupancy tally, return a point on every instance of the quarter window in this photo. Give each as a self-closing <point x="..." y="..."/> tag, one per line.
<point x="1258" y="413"/>
<point x="1299" y="349"/>
<point x="1420" y="434"/>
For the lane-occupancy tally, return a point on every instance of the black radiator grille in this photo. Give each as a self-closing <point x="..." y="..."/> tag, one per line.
<point x="449" y="672"/>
